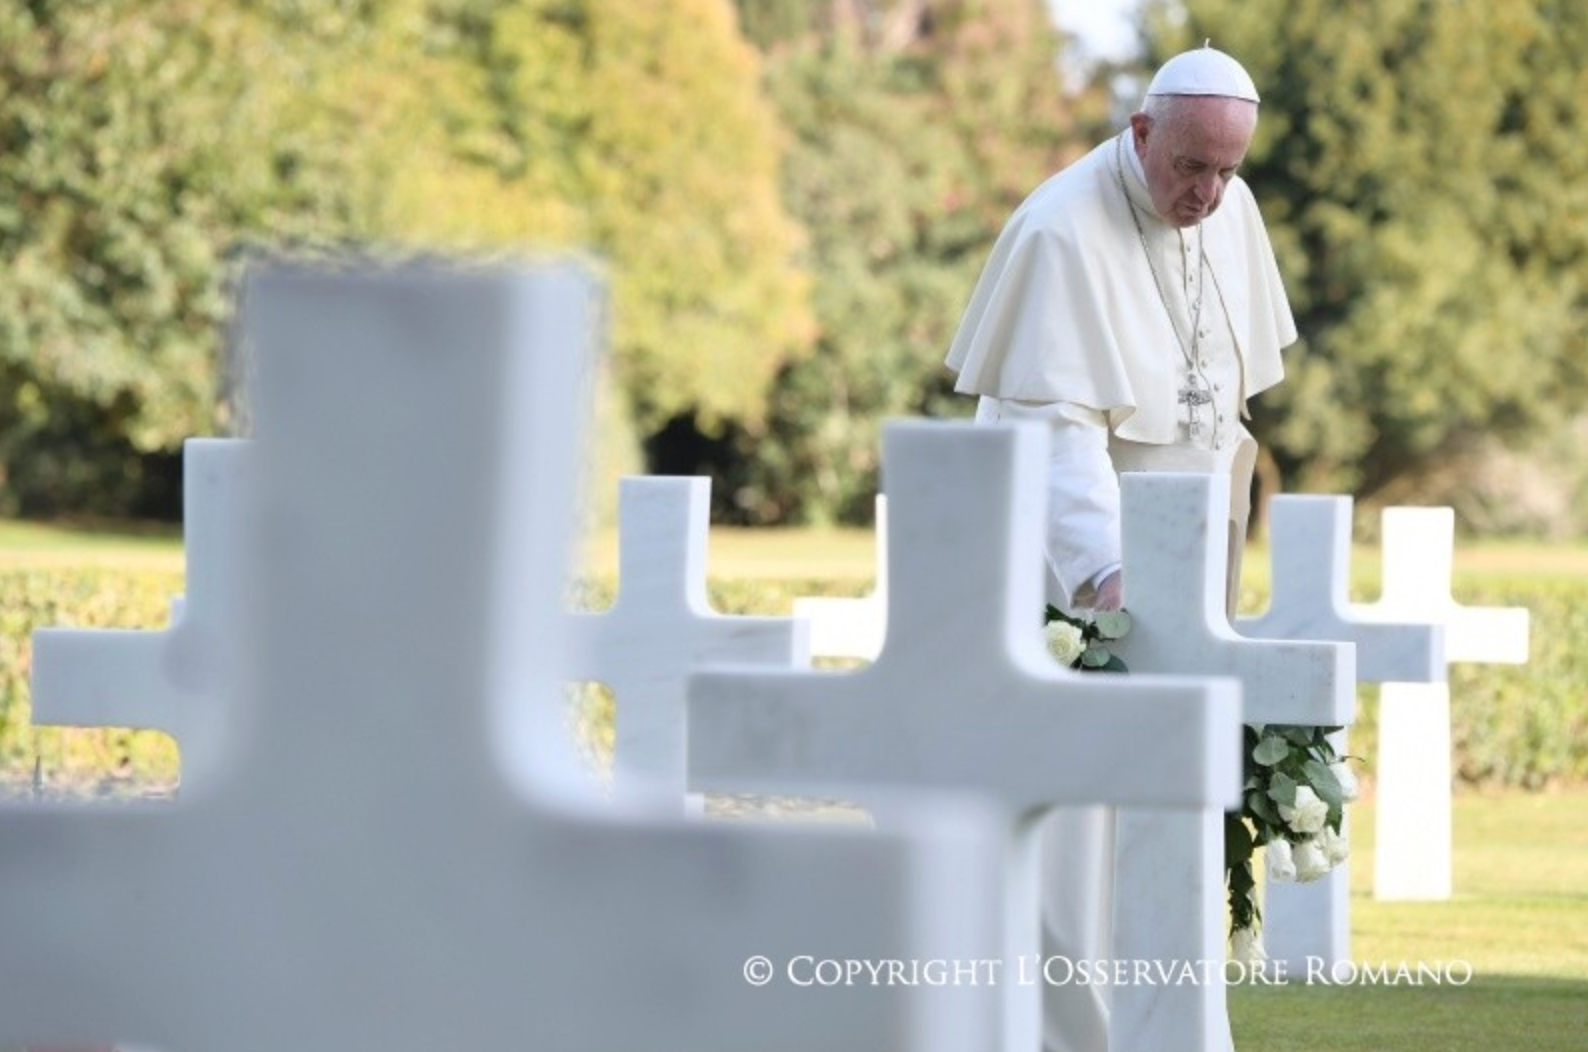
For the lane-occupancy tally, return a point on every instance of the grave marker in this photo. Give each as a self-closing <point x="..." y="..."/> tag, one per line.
<point x="963" y="695"/>
<point x="661" y="626"/>
<point x="852" y="628"/>
<point x="400" y="854"/>
<point x="1412" y="857"/>
<point x="1311" y="553"/>
<point x="181" y="679"/>
<point x="1174" y="539"/>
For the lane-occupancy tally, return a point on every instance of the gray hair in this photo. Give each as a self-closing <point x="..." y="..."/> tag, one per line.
<point x="1171" y="111"/>
<point x="1165" y="109"/>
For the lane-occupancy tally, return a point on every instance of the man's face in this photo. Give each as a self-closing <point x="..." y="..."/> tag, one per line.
<point x="1191" y="152"/>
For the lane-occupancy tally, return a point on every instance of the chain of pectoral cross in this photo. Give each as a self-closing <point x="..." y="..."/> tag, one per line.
<point x="1195" y="393"/>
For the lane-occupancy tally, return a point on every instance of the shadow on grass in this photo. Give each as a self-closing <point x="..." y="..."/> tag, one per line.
<point x="1491" y="1013"/>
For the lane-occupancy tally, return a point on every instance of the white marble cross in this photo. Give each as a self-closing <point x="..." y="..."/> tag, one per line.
<point x="852" y="628"/>
<point x="1412" y="854"/>
<point x="1311" y="554"/>
<point x="1174" y="530"/>
<point x="401" y="855"/>
<point x="1310" y="597"/>
<point x="661" y="626"/>
<point x="963" y="695"/>
<point x="181" y="679"/>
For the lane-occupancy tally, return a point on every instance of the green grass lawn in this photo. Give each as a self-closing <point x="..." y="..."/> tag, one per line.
<point x="36" y="544"/>
<point x="846" y="553"/>
<point x="1519" y="918"/>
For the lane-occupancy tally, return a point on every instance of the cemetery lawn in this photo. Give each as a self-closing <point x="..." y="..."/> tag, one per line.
<point x="36" y="545"/>
<point x="1519" y="917"/>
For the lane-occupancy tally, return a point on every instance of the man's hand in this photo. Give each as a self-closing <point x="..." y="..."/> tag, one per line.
<point x="1111" y="592"/>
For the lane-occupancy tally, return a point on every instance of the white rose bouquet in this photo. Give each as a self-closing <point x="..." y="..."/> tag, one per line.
<point x="1082" y="643"/>
<point x="1293" y="797"/>
<point x="1292" y="803"/>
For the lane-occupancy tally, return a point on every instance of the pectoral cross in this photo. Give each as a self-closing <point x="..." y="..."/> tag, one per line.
<point x="1193" y="398"/>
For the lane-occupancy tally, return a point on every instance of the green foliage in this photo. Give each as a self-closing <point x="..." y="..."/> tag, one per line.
<point x="1423" y="169"/>
<point x="909" y="147"/>
<point x="1526" y="724"/>
<point x="145" y="149"/>
<point x="648" y="119"/>
<point x="135" y="146"/>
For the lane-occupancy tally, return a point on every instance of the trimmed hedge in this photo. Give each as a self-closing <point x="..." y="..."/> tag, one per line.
<point x="1523" y="725"/>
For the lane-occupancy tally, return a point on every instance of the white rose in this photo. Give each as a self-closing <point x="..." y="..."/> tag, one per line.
<point x="1277" y="857"/>
<point x="1246" y="946"/>
<point x="1310" y="861"/>
<point x="1347" y="779"/>
<point x="1307" y="814"/>
<point x="1064" y="642"/>
<point x="1335" y="847"/>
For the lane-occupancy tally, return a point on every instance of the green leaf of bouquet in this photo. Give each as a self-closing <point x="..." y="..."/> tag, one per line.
<point x="1301" y="736"/>
<point x="1114" y="665"/>
<point x="1282" y="789"/>
<point x="1325" y="784"/>
<point x="1113" y="624"/>
<point x="1237" y="841"/>
<point x="1095" y="658"/>
<point x="1052" y="613"/>
<point x="1261" y="810"/>
<point x="1271" y="750"/>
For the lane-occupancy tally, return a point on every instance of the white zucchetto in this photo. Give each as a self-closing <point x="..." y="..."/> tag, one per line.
<point x="1203" y="71"/>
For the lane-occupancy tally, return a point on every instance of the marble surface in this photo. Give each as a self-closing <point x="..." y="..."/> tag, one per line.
<point x="1419" y="559"/>
<point x="1310" y="546"/>
<point x="661" y="626"/>
<point x="181" y="679"/>
<point x="963" y="694"/>
<point x="1414" y="839"/>
<point x="399" y="854"/>
<point x="852" y="628"/>
<point x="1169" y="876"/>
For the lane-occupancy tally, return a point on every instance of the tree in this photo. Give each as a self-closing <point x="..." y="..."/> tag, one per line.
<point x="1423" y="168"/>
<point x="147" y="148"/>
<point x="135" y="148"/>
<point x="916" y="128"/>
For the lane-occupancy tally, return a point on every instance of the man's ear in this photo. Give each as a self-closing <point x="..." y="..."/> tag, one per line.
<point x="1140" y="125"/>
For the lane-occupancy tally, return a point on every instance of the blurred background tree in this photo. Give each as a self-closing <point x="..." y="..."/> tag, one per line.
<point x="791" y="200"/>
<point x="915" y="128"/>
<point x="146" y="147"/>
<point x="138" y="144"/>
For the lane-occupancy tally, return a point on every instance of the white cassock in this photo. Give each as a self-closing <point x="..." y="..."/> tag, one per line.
<point x="1069" y="325"/>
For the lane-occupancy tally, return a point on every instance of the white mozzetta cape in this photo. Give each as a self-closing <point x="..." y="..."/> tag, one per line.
<point x="1066" y="311"/>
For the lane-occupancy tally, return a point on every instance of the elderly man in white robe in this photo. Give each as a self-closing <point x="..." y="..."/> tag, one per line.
<point x="1132" y="304"/>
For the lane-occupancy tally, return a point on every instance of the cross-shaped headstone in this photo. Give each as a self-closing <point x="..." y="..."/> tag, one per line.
<point x="1310" y="599"/>
<point x="180" y="679"/>
<point x="1412" y="853"/>
<point x="661" y="626"/>
<point x="852" y="628"/>
<point x="963" y="695"/>
<point x="379" y="868"/>
<point x="1174" y="539"/>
